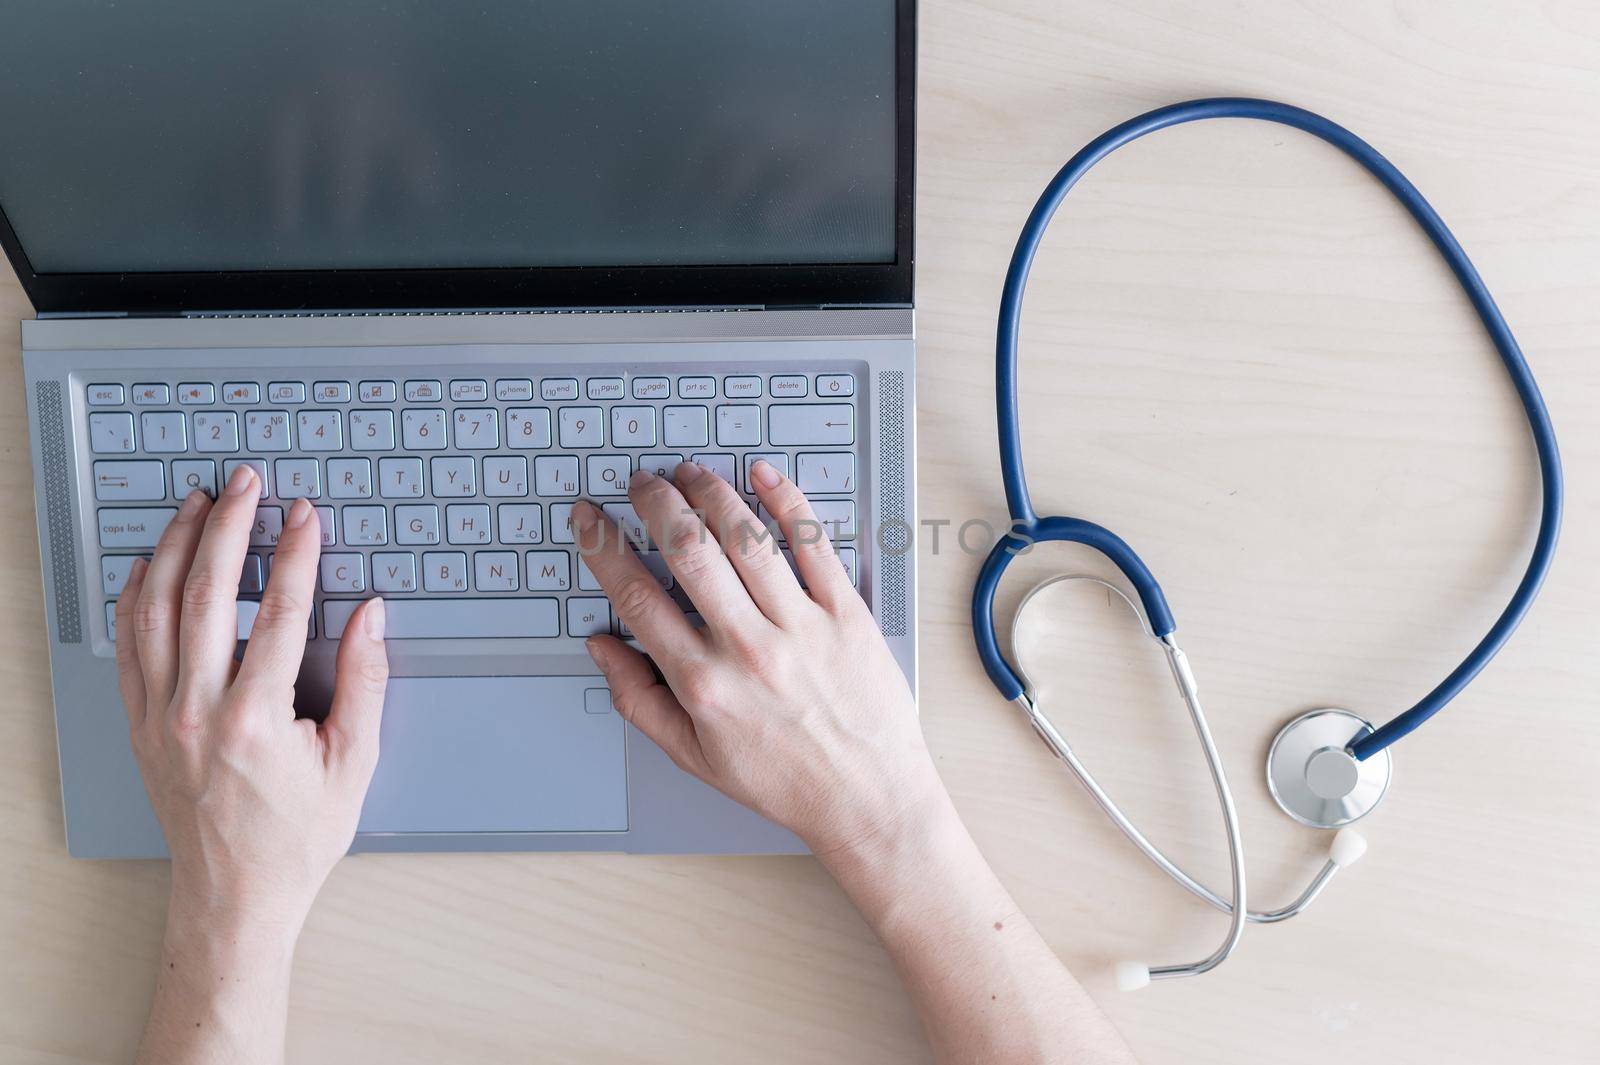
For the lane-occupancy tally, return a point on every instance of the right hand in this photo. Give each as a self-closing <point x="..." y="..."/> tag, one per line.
<point x="788" y="700"/>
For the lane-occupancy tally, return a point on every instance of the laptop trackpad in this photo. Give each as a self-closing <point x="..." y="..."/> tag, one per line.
<point x="499" y="754"/>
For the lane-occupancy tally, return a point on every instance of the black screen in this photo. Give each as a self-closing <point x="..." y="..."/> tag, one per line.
<point x="208" y="135"/>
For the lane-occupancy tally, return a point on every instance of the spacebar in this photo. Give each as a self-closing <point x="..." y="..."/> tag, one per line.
<point x="454" y="619"/>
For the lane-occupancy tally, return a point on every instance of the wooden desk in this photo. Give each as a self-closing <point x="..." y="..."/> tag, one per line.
<point x="1241" y="357"/>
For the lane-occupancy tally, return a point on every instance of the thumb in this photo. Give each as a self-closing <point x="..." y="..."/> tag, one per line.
<point x="360" y="677"/>
<point x="647" y="704"/>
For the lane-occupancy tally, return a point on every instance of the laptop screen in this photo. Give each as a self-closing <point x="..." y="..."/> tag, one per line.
<point x="414" y="135"/>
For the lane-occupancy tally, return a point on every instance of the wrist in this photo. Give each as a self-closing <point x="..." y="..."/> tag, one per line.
<point x="232" y="926"/>
<point x="923" y="815"/>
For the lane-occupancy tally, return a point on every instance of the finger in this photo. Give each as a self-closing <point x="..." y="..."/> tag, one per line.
<point x="130" y="678"/>
<point x="360" y="677"/>
<point x="693" y="555"/>
<point x="635" y="594"/>
<point x="278" y="640"/>
<point x="749" y="545"/>
<point x="160" y="603"/>
<point x="646" y="703"/>
<point x="208" y="631"/>
<point x="819" y="566"/>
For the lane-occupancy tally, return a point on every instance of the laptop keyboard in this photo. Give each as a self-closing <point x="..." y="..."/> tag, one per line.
<point x="452" y="497"/>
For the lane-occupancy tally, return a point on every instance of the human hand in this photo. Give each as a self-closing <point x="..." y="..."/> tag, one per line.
<point x="257" y="805"/>
<point x="787" y="702"/>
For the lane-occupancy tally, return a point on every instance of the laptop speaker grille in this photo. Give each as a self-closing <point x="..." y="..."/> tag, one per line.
<point x="894" y="527"/>
<point x="58" y="511"/>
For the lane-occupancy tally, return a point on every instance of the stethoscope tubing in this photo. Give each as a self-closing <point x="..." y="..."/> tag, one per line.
<point x="1027" y="527"/>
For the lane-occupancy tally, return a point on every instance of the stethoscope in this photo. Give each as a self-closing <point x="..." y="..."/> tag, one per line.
<point x="1326" y="768"/>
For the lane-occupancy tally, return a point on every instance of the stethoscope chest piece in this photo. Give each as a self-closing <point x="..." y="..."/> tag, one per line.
<point x="1313" y="776"/>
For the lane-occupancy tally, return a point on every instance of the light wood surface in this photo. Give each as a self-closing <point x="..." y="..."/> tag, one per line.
<point x="1241" y="357"/>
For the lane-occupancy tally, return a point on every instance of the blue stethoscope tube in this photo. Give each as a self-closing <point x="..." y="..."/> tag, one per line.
<point x="1027" y="527"/>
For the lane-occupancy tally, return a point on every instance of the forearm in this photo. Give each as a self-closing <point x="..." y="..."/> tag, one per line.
<point x="222" y="992"/>
<point x="986" y="985"/>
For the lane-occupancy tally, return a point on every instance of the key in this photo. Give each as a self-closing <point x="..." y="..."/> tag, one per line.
<point x="286" y="392"/>
<point x="608" y="475"/>
<point x="138" y="527"/>
<point x="469" y="391"/>
<point x="790" y="386"/>
<point x="837" y="517"/>
<point x="251" y="581"/>
<point x="400" y="478"/>
<point x="111" y="434"/>
<point x="105" y="395"/>
<point x="513" y="389"/>
<point x="527" y="427"/>
<point x="721" y="465"/>
<point x="581" y="427"/>
<point x="394" y="571"/>
<point x="424" y="392"/>
<point x="587" y="581"/>
<point x="660" y="465"/>
<point x="164" y="432"/>
<point x="189" y="474"/>
<point x="825" y="473"/>
<point x="241" y="392"/>
<point x="298" y="477"/>
<point x="549" y="571"/>
<point x="605" y="388"/>
<point x="375" y="391"/>
<point x="123" y="482"/>
<point x="365" y="526"/>
<point x="258" y="465"/>
<point x="344" y="573"/>
<point x="776" y="459"/>
<point x="325" y="520"/>
<point x="738" y="426"/>
<point x="114" y="571"/>
<point x="697" y="388"/>
<point x="588" y="616"/>
<point x="505" y="475"/>
<point x="646" y="388"/>
<point x="266" y="430"/>
<point x="554" y="389"/>
<point x="422" y="430"/>
<point x="633" y="427"/>
<point x="150" y="395"/>
<point x="685" y="427"/>
<point x="372" y="430"/>
<point x="627" y="520"/>
<point x="477" y="429"/>
<point x="331" y="391"/>
<point x="416" y="525"/>
<point x="268" y="529"/>
<point x="443" y="571"/>
<point x="555" y="475"/>
<point x="454" y="476"/>
<point x="196" y="393"/>
<point x="466" y="523"/>
<point x="320" y="430"/>
<point x="847" y="558"/>
<point x="561" y="523"/>
<point x="455" y="619"/>
<point x="349" y="478"/>
<point x="742" y="387"/>
<point x="216" y="430"/>
<point x="521" y="523"/>
<point x="495" y="571"/>
<point x="835" y="384"/>
<point x="111" y="622"/>
<point x="811" y="423"/>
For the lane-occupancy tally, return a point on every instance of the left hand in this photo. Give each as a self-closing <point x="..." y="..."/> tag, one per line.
<point x="257" y="805"/>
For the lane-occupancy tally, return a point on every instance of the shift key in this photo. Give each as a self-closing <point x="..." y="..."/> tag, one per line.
<point x="133" y="527"/>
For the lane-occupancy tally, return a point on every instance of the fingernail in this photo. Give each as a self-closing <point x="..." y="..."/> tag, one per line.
<point x="239" y="480"/>
<point x="641" y="476"/>
<point x="192" y="503"/>
<point x="299" y="512"/>
<point x="596" y="652"/>
<point x="687" y="472"/>
<point x="136" y="570"/>
<point x="766" y="473"/>
<point x="584" y="515"/>
<point x="375" y="618"/>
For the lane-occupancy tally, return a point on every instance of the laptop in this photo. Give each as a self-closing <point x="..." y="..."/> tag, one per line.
<point x="445" y="269"/>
